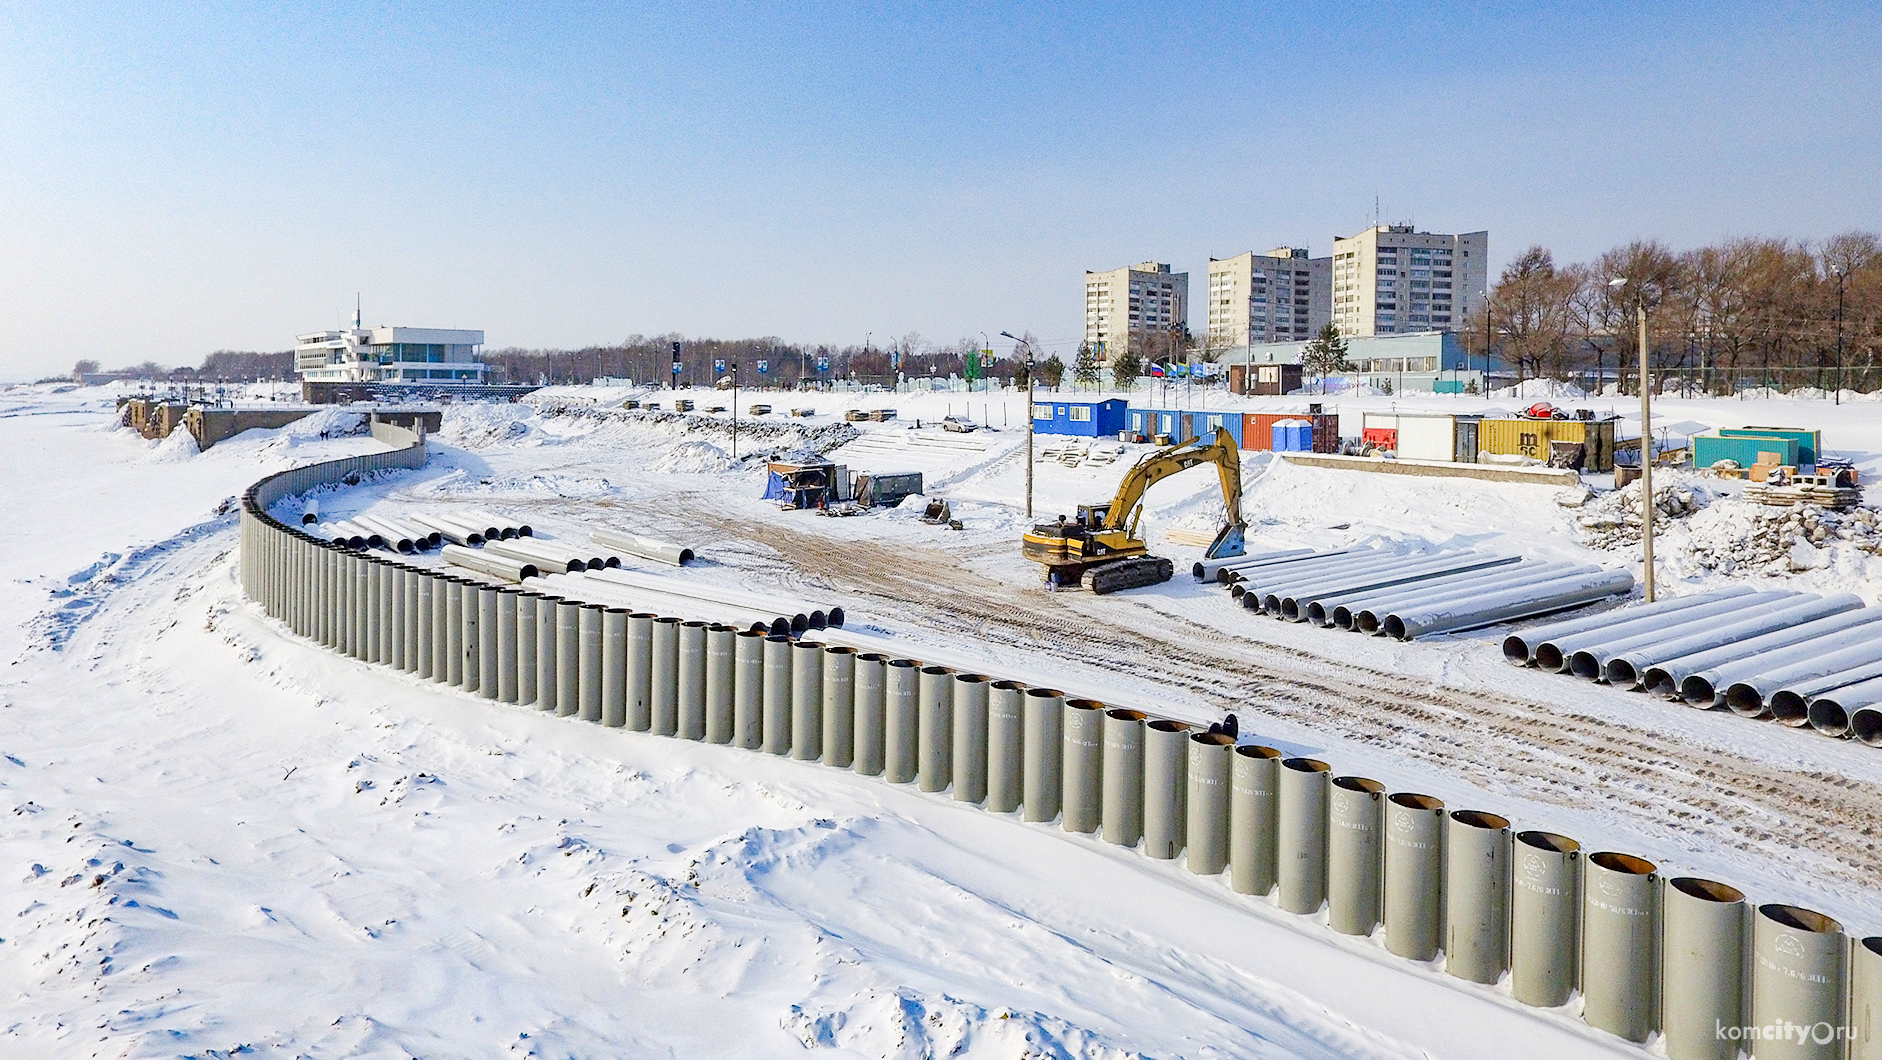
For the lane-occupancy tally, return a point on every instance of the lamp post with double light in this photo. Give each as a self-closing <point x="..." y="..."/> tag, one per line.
<point x="1029" y="419"/>
<point x="1646" y="437"/>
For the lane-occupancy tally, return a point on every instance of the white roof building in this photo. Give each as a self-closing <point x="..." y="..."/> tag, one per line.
<point x="390" y="355"/>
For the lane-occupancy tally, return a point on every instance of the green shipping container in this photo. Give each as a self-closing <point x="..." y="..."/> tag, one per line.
<point x="1809" y="443"/>
<point x="1744" y="449"/>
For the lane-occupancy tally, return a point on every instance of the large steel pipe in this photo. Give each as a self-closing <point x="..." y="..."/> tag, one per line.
<point x="1006" y="746"/>
<point x="614" y="667"/>
<point x="1340" y="610"/>
<point x="1206" y="570"/>
<point x="801" y="615"/>
<point x="1206" y="810"/>
<point x="470" y="619"/>
<point x="692" y="682"/>
<point x="1628" y="669"/>
<point x="1166" y="788"/>
<point x="589" y="620"/>
<point x="1254" y="781"/>
<point x="1241" y="568"/>
<point x="1293" y="604"/>
<point x="1373" y="571"/>
<point x="448" y="529"/>
<point x="1084" y="765"/>
<point x="935" y="729"/>
<point x="1473" y="610"/>
<point x="1797" y="978"/>
<point x="777" y="725"/>
<point x="1261" y="590"/>
<point x="721" y="682"/>
<point x="1545" y="916"/>
<point x="644" y="547"/>
<point x="902" y="721"/>
<point x="969" y="753"/>
<point x="839" y="706"/>
<point x="1414" y="875"/>
<point x="1123" y="776"/>
<point x="1476" y="895"/>
<point x="1301" y="834"/>
<point x="1043" y="784"/>
<point x="1791" y="689"/>
<point x="1694" y="673"/>
<point x="506" y="644"/>
<point x="1520" y="647"/>
<point x="664" y="677"/>
<point x="1355" y="855"/>
<point x="1847" y="707"/>
<point x="806" y="700"/>
<point x="568" y="658"/>
<point x="542" y="556"/>
<point x="1702" y="977"/>
<point x="1632" y="628"/>
<point x="871" y="692"/>
<point x="748" y="689"/>
<point x="639" y="683"/>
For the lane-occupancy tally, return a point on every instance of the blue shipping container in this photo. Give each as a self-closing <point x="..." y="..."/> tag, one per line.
<point x="1708" y="450"/>
<point x="1203" y="424"/>
<point x="1088" y="418"/>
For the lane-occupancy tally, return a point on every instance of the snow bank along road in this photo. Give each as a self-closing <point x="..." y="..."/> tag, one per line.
<point x="263" y="846"/>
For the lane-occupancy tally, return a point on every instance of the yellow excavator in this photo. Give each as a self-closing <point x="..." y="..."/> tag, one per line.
<point x="1101" y="551"/>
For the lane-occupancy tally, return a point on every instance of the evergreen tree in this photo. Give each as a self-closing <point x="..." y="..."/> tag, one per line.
<point x="1085" y="369"/>
<point x="1125" y="368"/>
<point x="1326" y="355"/>
<point x="1052" y="372"/>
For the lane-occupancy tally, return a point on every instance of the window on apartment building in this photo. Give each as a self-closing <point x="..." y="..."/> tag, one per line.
<point x="1388" y="272"/>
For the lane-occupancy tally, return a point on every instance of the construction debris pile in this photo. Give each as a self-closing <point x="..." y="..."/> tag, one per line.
<point x="1612" y="520"/>
<point x="1743" y="536"/>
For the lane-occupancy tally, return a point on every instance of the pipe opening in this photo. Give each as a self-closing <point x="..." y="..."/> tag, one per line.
<point x="1866" y="725"/>
<point x="1585" y="666"/>
<point x="1516" y="650"/>
<point x="1743" y="699"/>
<point x="817" y="620"/>
<point x="1621" y="673"/>
<point x="872" y="657"/>
<point x="693" y="625"/>
<point x="1255" y="750"/>
<point x="1623" y="863"/>
<point x="1007" y="686"/>
<point x="972" y="679"/>
<point x="1479" y="819"/>
<point x="777" y="627"/>
<point x="798" y="623"/>
<point x="1706" y="890"/>
<point x="1125" y="714"/>
<point x="1216" y="739"/>
<point x="1084" y="704"/>
<point x="1307" y="765"/>
<point x="686" y="554"/>
<point x="838" y="649"/>
<point x="805" y="645"/>
<point x="668" y="619"/>
<point x="1873" y="944"/>
<point x="1698" y="692"/>
<point x="1167" y="725"/>
<point x="1370" y="787"/>
<point x="835" y="617"/>
<point x="1802" y="919"/>
<point x="1560" y="844"/>
<point x="1251" y="602"/>
<point x="1660" y="683"/>
<point x="774" y="638"/>
<point x="1394" y="627"/>
<point x="1827" y="717"/>
<point x="615" y="611"/>
<point x="1792" y="709"/>
<point x="1412" y="801"/>
<point x="937" y="670"/>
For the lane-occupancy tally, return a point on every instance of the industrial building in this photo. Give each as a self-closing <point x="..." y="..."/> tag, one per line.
<point x="1280" y="296"/>
<point x="1393" y="279"/>
<point x="1432" y="361"/>
<point x="1125" y="307"/>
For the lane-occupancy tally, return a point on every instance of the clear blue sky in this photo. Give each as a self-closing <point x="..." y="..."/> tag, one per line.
<point x="181" y="180"/>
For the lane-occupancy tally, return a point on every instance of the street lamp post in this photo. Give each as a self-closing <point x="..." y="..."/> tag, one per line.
<point x="1841" y="274"/>
<point x="1646" y="439"/>
<point x="1029" y="418"/>
<point x="735" y="412"/>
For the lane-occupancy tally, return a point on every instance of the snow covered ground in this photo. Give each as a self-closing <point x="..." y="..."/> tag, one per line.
<point x="227" y="838"/>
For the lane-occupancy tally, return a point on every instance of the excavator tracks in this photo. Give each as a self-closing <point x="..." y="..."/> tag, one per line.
<point x="1131" y="573"/>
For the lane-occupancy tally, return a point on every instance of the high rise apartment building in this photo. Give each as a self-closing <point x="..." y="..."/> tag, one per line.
<point x="1125" y="306"/>
<point x="1392" y="279"/>
<point x="1280" y="296"/>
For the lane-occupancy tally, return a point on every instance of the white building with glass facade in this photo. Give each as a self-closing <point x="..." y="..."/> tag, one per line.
<point x="1392" y="279"/>
<point x="390" y="355"/>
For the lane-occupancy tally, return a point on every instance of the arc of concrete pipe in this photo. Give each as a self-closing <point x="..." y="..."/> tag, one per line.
<point x="638" y="693"/>
<point x="1545" y="918"/>
<point x="500" y="567"/>
<point x="1285" y="580"/>
<point x="1798" y="973"/>
<point x="871" y="692"/>
<point x="548" y="657"/>
<point x="807" y="700"/>
<point x="1520" y="647"/>
<point x="544" y="559"/>
<point x="934" y="729"/>
<point x="1301" y="834"/>
<point x="664" y="676"/>
<point x="1355" y="855"/>
<point x="1865" y="999"/>
<point x="1476" y="895"/>
<point x="692" y="681"/>
<point x="1291" y="604"/>
<point x="839" y="705"/>
<point x="454" y="632"/>
<point x="644" y="547"/>
<point x="1166" y="788"/>
<point x="1586" y="655"/>
<point x="1628" y="670"/>
<point x="487" y="654"/>
<point x="748" y="689"/>
<point x="1702" y="980"/>
<point x="589" y="670"/>
<point x="1254" y="819"/>
<point x="427" y="625"/>
<point x="614" y="667"/>
<point x="1413" y="904"/>
<point x="1243" y="568"/>
<point x="1780" y="647"/>
<point x="1006" y="746"/>
<point x="721" y="682"/>
<point x="1123" y="777"/>
<point x="1084" y="723"/>
<point x="1472" y="610"/>
<point x="568" y="658"/>
<point x="1207" y="569"/>
<point x="970" y="709"/>
<point x="1749" y="696"/>
<point x="1620" y="945"/>
<point x="1211" y="756"/>
<point x="451" y="531"/>
<point x="1338" y="611"/>
<point x="528" y="663"/>
<point x="505" y="638"/>
<point x="777" y="710"/>
<point x="902" y="722"/>
<point x="1042" y="780"/>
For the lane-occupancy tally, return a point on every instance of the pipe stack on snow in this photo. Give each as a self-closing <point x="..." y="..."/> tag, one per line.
<point x="1682" y="958"/>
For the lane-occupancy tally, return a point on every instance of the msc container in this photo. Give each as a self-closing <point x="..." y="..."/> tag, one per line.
<point x="1533" y="438"/>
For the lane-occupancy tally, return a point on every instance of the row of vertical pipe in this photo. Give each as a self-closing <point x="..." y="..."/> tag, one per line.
<point x="1688" y="959"/>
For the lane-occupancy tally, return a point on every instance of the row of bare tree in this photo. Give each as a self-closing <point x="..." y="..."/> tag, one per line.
<point x="1748" y="312"/>
<point x="764" y="362"/>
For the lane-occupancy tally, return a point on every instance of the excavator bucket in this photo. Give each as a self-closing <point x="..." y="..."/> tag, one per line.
<point x="1227" y="543"/>
<point x="937" y="512"/>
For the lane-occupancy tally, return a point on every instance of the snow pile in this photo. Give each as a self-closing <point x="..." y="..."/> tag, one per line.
<point x="478" y="425"/>
<point x="693" y="458"/>
<point x="1612" y="520"/>
<point x="177" y="446"/>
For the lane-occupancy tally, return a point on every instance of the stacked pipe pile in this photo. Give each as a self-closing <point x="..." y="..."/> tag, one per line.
<point x="1682" y="958"/>
<point x="1800" y="658"/>
<point x="1403" y="594"/>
